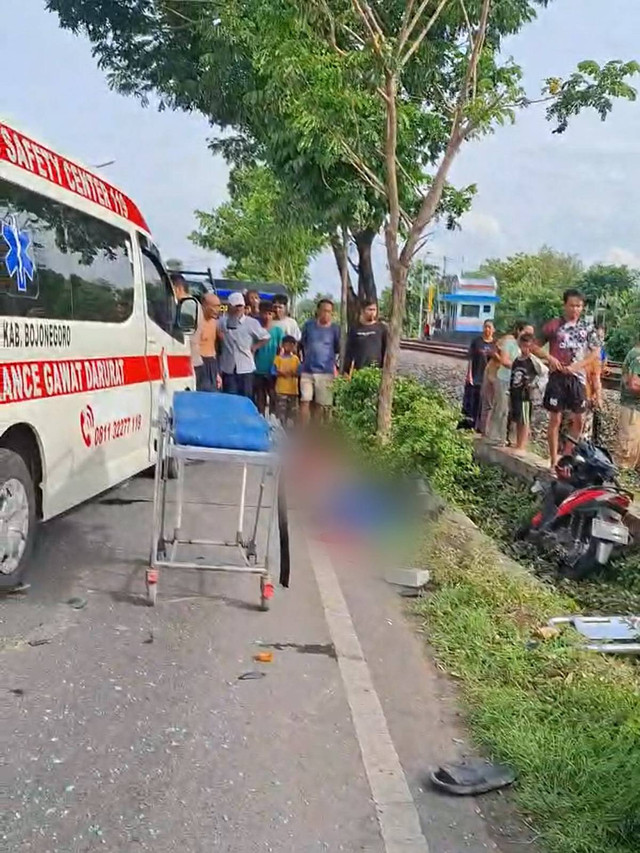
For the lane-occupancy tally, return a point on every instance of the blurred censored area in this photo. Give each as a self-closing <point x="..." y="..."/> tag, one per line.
<point x="351" y="506"/>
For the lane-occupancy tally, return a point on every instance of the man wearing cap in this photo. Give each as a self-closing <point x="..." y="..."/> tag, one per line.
<point x="240" y="337"/>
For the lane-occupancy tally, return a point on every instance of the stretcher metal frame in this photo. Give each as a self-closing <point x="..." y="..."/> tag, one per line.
<point x="166" y="541"/>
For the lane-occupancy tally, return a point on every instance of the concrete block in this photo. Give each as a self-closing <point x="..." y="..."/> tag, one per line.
<point x="414" y="578"/>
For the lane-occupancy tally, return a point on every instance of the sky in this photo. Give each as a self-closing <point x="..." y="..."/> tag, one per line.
<point x="577" y="192"/>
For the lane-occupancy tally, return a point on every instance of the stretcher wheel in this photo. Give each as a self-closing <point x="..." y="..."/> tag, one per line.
<point x="171" y="468"/>
<point x="266" y="592"/>
<point x="152" y="586"/>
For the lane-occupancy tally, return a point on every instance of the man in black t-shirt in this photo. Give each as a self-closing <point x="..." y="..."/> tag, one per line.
<point x="480" y="351"/>
<point x="367" y="342"/>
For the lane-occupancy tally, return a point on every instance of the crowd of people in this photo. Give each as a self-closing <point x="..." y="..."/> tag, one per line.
<point x="561" y="368"/>
<point x="256" y="349"/>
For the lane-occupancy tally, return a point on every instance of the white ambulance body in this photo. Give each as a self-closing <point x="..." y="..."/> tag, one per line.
<point x="87" y="327"/>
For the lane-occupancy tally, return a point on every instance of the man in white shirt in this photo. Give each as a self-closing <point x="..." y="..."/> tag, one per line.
<point x="282" y="320"/>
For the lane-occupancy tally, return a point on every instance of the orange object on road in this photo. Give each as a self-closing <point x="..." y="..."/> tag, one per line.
<point x="263" y="657"/>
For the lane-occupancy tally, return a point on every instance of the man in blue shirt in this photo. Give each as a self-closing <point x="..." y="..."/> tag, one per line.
<point x="320" y="344"/>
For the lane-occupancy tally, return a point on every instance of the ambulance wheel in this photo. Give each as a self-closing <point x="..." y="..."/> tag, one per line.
<point x="18" y="518"/>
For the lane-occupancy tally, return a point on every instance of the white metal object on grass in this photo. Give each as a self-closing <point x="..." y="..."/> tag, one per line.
<point x="608" y="634"/>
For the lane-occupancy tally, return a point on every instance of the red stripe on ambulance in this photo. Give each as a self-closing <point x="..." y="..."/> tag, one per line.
<point x="31" y="380"/>
<point x="180" y="366"/>
<point x="27" y="154"/>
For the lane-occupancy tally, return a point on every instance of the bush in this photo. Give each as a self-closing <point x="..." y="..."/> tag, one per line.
<point x="423" y="440"/>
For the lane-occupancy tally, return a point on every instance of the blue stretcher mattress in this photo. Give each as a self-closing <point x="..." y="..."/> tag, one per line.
<point x="221" y="421"/>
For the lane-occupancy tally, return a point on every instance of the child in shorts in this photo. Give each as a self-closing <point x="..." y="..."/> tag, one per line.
<point x="523" y="376"/>
<point x="286" y="369"/>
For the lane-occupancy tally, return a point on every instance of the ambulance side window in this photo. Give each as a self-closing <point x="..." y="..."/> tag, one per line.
<point x="59" y="263"/>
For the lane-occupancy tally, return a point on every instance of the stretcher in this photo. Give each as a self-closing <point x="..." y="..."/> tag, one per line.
<point x="221" y="429"/>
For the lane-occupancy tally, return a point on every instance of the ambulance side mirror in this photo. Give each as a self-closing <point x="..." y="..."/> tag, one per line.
<point x="187" y="315"/>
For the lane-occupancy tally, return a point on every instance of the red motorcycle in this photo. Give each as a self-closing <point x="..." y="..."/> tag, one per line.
<point x="582" y="511"/>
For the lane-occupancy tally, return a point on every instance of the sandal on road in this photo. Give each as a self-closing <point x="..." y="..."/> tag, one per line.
<point x="473" y="776"/>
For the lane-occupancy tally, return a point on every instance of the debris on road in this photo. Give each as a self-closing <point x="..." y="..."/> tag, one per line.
<point x="251" y="676"/>
<point x="473" y="776"/>
<point x="77" y="603"/>
<point x="16" y="590"/>
<point x="264" y="657"/>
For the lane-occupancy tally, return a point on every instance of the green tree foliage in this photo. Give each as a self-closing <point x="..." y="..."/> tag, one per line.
<point x="607" y="281"/>
<point x="206" y="58"/>
<point x="530" y="286"/>
<point x="259" y="232"/>
<point x="212" y="58"/>
<point x="613" y="292"/>
<point x="371" y="99"/>
<point x="376" y="80"/>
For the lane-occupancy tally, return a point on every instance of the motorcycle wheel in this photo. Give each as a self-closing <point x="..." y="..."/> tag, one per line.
<point x="584" y="566"/>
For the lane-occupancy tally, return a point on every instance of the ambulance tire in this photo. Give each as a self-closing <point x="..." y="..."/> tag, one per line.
<point x="13" y="471"/>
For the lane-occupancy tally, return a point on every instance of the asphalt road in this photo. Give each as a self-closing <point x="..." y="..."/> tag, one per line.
<point x="126" y="728"/>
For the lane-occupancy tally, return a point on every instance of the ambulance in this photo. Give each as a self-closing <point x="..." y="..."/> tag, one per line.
<point x="91" y="335"/>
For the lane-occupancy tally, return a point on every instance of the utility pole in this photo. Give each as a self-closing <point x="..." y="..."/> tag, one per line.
<point x="420" y="324"/>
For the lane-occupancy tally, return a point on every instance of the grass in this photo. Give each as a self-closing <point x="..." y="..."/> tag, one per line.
<point x="568" y="721"/>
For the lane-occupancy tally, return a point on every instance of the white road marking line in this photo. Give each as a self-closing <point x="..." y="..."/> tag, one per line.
<point x="396" y="811"/>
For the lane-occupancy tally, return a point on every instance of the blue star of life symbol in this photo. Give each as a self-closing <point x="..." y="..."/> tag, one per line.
<point x="18" y="261"/>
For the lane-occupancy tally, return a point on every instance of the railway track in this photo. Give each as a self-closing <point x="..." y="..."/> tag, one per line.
<point x="453" y="350"/>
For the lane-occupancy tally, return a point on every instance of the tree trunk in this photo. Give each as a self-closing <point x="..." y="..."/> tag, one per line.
<point x="345" y="286"/>
<point x="397" y="268"/>
<point x="399" y="274"/>
<point x="366" y="280"/>
<point x="348" y="297"/>
<point x="399" y="261"/>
